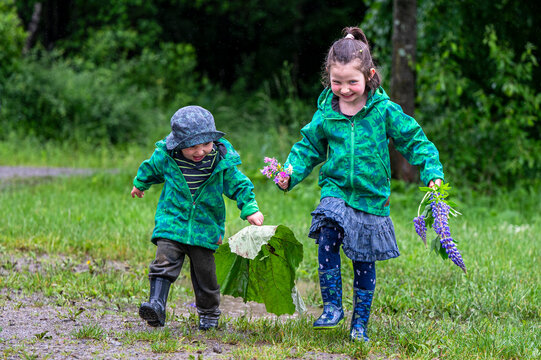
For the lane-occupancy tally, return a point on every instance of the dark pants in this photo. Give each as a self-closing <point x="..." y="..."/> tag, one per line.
<point x="168" y="263"/>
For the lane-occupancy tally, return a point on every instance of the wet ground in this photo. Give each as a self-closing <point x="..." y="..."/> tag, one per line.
<point x="33" y="326"/>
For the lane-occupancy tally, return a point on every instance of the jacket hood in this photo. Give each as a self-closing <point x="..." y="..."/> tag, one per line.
<point x="229" y="155"/>
<point x="324" y="102"/>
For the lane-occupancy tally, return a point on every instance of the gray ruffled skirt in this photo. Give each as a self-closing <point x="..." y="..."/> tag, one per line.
<point x="366" y="237"/>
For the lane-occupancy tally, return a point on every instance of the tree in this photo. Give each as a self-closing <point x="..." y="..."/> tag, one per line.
<point x="404" y="41"/>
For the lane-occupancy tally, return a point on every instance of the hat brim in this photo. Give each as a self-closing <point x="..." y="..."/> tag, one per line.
<point x="172" y="142"/>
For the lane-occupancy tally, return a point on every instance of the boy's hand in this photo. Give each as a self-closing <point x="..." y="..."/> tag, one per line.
<point x="256" y="218"/>
<point x="283" y="182"/>
<point x="135" y="191"/>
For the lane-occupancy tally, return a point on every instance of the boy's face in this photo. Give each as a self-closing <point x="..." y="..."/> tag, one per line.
<point x="197" y="152"/>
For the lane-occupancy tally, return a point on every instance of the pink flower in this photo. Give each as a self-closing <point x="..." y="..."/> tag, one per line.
<point x="274" y="170"/>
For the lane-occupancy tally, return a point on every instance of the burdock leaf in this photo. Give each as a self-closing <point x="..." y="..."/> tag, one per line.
<point x="259" y="264"/>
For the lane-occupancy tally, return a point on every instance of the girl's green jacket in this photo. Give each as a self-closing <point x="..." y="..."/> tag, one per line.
<point x="355" y="151"/>
<point x="197" y="220"/>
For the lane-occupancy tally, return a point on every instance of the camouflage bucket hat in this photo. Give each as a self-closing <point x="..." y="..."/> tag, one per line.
<point x="191" y="125"/>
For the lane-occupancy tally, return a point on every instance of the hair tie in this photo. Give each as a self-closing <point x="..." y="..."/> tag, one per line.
<point x="349" y="36"/>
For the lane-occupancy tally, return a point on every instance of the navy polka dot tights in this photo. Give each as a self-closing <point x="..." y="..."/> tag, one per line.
<point x="330" y="239"/>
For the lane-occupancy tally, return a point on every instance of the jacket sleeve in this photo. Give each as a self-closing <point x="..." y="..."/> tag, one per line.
<point x="238" y="186"/>
<point x="310" y="151"/>
<point x="150" y="172"/>
<point x="411" y="141"/>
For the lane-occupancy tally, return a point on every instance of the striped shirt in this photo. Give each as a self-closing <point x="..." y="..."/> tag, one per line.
<point x="196" y="173"/>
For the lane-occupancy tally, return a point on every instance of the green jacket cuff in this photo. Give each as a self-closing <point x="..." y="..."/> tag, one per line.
<point x="248" y="210"/>
<point x="140" y="185"/>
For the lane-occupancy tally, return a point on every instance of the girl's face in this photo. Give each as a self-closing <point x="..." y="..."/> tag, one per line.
<point x="349" y="83"/>
<point x="197" y="152"/>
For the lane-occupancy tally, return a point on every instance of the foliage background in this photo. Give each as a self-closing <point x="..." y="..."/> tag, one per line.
<point x="113" y="72"/>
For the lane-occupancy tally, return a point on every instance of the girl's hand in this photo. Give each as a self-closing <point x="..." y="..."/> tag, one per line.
<point x="256" y="218"/>
<point x="434" y="182"/>
<point x="283" y="182"/>
<point x="136" y="192"/>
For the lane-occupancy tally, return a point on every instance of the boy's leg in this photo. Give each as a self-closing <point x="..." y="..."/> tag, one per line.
<point x="164" y="270"/>
<point x="330" y="278"/>
<point x="205" y="286"/>
<point x="364" y="284"/>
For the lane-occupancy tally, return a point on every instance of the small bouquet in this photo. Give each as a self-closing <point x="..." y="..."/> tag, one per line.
<point x="275" y="171"/>
<point x="437" y="209"/>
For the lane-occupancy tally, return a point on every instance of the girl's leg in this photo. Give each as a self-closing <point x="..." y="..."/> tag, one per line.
<point x="330" y="278"/>
<point x="364" y="284"/>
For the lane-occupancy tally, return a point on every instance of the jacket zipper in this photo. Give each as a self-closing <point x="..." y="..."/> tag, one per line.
<point x="190" y="220"/>
<point x="352" y="154"/>
<point x="194" y="202"/>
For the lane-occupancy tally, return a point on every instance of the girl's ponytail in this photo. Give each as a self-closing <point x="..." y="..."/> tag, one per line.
<point x="357" y="33"/>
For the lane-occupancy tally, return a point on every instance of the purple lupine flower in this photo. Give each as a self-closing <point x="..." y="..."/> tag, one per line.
<point x="420" y="227"/>
<point x="440" y="212"/>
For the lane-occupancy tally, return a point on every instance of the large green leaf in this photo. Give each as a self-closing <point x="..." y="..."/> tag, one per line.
<point x="259" y="264"/>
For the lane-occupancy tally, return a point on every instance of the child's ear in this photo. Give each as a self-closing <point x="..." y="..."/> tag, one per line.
<point x="372" y="71"/>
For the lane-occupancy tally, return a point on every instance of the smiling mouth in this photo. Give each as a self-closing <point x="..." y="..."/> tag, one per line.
<point x="198" y="158"/>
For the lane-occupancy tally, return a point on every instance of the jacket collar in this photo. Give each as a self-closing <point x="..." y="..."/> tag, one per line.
<point x="229" y="157"/>
<point x="324" y="102"/>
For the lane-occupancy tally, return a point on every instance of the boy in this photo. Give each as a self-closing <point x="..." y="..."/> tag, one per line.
<point x="197" y="167"/>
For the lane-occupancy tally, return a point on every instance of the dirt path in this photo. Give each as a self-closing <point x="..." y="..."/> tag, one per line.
<point x="7" y="172"/>
<point x="34" y="327"/>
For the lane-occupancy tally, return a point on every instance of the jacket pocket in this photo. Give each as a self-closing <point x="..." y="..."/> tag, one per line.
<point x="387" y="171"/>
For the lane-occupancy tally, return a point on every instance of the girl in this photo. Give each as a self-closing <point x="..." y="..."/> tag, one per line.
<point x="350" y="133"/>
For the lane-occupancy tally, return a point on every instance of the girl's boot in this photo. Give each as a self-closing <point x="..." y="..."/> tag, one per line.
<point x="361" y="312"/>
<point x="153" y="311"/>
<point x="330" y="282"/>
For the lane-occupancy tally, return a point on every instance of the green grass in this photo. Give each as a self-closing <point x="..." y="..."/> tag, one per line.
<point x="89" y="239"/>
<point x="90" y="331"/>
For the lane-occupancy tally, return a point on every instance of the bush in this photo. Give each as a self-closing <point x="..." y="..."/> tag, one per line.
<point x="486" y="135"/>
<point x="12" y="37"/>
<point x="169" y="73"/>
<point x="48" y="99"/>
<point x="103" y="95"/>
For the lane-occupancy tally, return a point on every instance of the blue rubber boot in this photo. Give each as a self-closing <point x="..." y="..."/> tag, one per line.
<point x="330" y="282"/>
<point x="361" y="313"/>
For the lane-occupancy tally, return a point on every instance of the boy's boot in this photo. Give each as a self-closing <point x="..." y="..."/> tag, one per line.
<point x="362" y="302"/>
<point x="153" y="311"/>
<point x="330" y="282"/>
<point x="208" y="321"/>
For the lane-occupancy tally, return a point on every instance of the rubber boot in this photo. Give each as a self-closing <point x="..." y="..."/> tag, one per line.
<point x="153" y="311"/>
<point x="330" y="282"/>
<point x="362" y="302"/>
<point x="208" y="321"/>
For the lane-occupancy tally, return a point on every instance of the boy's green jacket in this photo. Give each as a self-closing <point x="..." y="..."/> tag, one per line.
<point x="197" y="220"/>
<point x="355" y="151"/>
